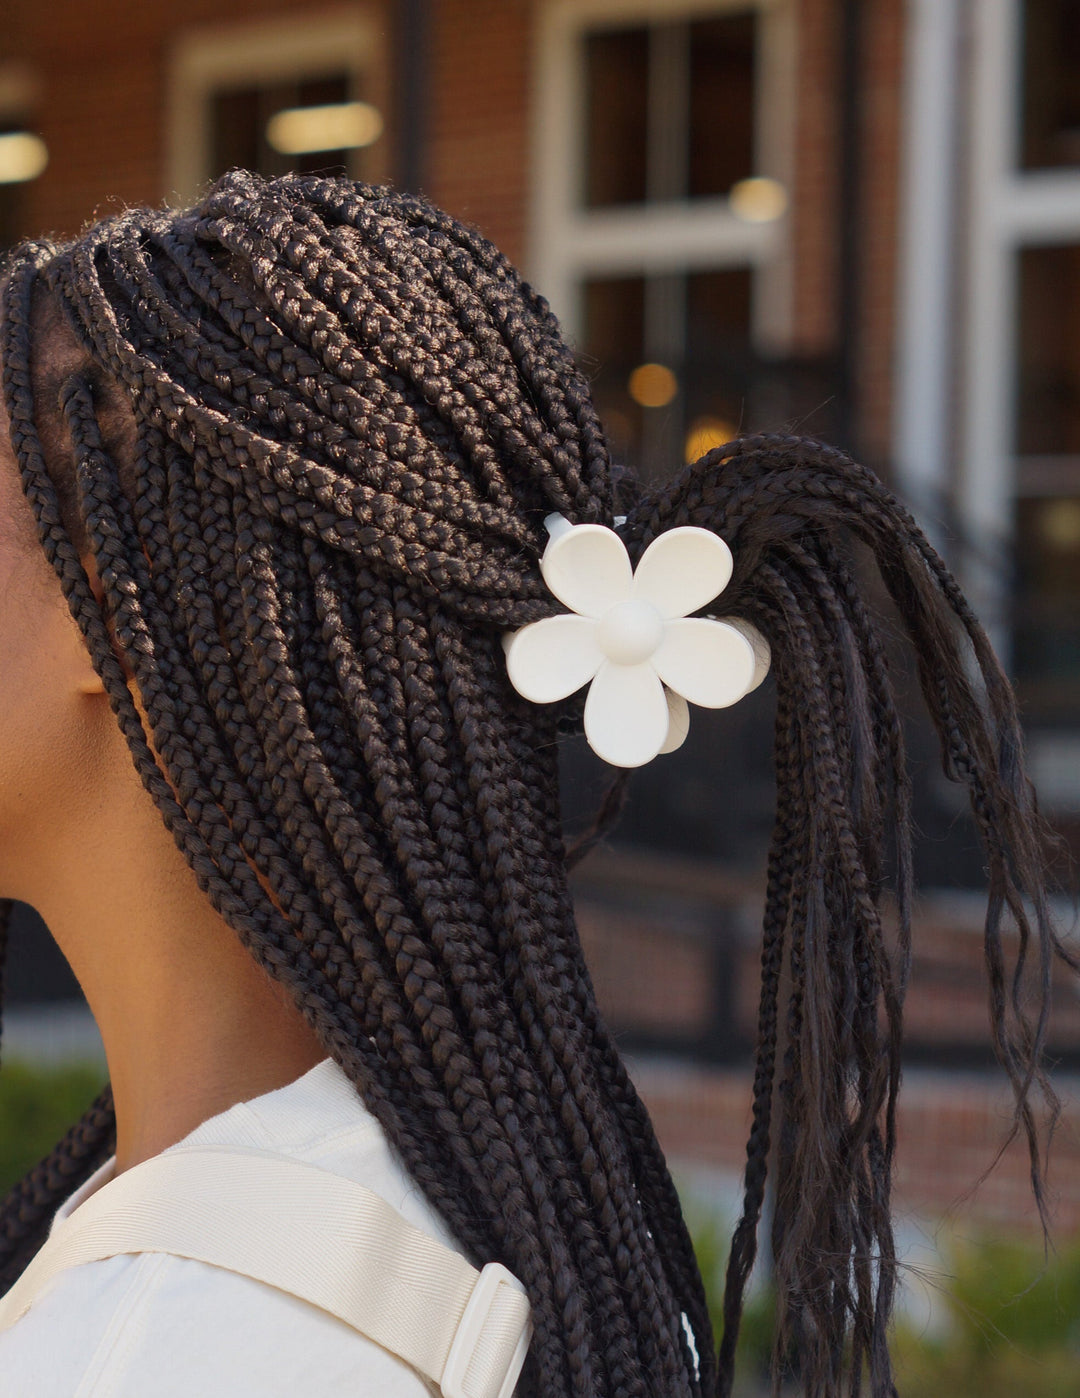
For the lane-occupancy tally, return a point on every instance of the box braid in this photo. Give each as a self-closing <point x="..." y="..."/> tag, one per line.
<point x="351" y="420"/>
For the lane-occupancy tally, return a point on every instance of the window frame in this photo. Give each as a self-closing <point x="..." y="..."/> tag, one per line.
<point x="926" y="331"/>
<point x="1009" y="209"/>
<point x="207" y="59"/>
<point x="569" y="243"/>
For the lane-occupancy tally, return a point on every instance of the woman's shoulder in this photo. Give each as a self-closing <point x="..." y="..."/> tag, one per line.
<point x="157" y="1323"/>
<point x="126" y="1326"/>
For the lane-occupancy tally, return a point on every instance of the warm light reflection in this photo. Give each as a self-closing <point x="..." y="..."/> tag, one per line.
<point x="705" y="433"/>
<point x="652" y="385"/>
<point x="1060" y="521"/>
<point x="23" y="156"/>
<point x="758" y="200"/>
<point x="337" y="126"/>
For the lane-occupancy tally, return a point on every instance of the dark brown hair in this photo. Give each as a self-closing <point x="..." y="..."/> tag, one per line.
<point x="351" y="418"/>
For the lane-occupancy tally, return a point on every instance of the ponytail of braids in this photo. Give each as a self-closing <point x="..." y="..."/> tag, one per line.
<point x="788" y="508"/>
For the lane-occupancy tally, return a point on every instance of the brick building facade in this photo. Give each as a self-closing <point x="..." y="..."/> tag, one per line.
<point x="791" y="214"/>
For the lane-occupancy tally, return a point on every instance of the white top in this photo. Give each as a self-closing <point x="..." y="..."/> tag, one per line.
<point x="156" y="1324"/>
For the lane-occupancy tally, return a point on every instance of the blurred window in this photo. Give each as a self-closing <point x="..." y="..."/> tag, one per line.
<point x="23" y="155"/>
<point x="674" y="110"/>
<point x="1047" y="633"/>
<point x="302" y="92"/>
<point x="12" y="202"/>
<point x="1020" y="482"/>
<point x="240" y="117"/>
<point x="668" y="396"/>
<point x="614" y="345"/>
<point x="1046" y="652"/>
<point x="1050" y="107"/>
<point x="721" y="92"/>
<point x="617" y="69"/>
<point x="1048" y="348"/>
<point x="23" y="158"/>
<point x="670" y="110"/>
<point x="722" y="376"/>
<point x="11" y="221"/>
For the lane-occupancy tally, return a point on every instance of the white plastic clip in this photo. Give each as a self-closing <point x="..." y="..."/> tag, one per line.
<point x="470" y="1336"/>
<point x="631" y="635"/>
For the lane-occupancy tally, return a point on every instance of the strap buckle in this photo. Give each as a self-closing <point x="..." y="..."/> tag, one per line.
<point x="504" y="1347"/>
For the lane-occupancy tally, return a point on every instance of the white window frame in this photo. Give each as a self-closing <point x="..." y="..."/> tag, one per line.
<point x="923" y="418"/>
<point x="1009" y="209"/>
<point x="568" y="244"/>
<point x="207" y="60"/>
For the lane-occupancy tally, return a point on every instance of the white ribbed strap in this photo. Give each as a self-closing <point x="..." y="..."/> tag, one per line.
<point x="314" y="1234"/>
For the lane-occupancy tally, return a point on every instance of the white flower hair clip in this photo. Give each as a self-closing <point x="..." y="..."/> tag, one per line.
<point x="629" y="632"/>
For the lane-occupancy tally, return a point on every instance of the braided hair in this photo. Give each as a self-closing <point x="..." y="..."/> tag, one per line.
<point x="351" y="419"/>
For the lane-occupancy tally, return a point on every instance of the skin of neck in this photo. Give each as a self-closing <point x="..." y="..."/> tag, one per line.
<point x="191" y="1024"/>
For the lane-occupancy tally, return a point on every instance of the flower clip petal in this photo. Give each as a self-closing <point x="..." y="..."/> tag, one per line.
<point x="588" y="569"/>
<point x="678" y="722"/>
<point x="682" y="571"/>
<point x="626" y="714"/>
<point x="707" y="662"/>
<point x="550" y="659"/>
<point x="762" y="649"/>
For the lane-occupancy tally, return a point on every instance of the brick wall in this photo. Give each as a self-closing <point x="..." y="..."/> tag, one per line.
<point x="478" y="158"/>
<point x="103" y="71"/>
<point x="882" y="50"/>
<point x="814" y="198"/>
<point x="103" y="79"/>
<point x="950" y="1131"/>
<point x="669" y="941"/>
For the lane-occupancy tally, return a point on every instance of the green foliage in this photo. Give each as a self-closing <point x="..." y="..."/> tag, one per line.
<point x="1004" y="1288"/>
<point x="1012" y="1320"/>
<point x="1013" y="1325"/>
<point x="37" y="1106"/>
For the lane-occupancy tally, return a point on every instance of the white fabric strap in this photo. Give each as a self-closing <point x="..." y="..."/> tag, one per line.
<point x="314" y="1234"/>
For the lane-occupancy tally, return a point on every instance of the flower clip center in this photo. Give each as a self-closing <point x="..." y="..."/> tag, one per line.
<point x="630" y="632"/>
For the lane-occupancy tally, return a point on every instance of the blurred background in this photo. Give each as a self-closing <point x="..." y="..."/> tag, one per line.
<point x="857" y="219"/>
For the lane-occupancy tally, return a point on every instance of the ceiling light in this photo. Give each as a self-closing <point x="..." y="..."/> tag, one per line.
<point x="705" y="433"/>
<point x="23" y="156"/>
<point x="652" y="385"/>
<point x="338" y="126"/>
<point x="758" y="200"/>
